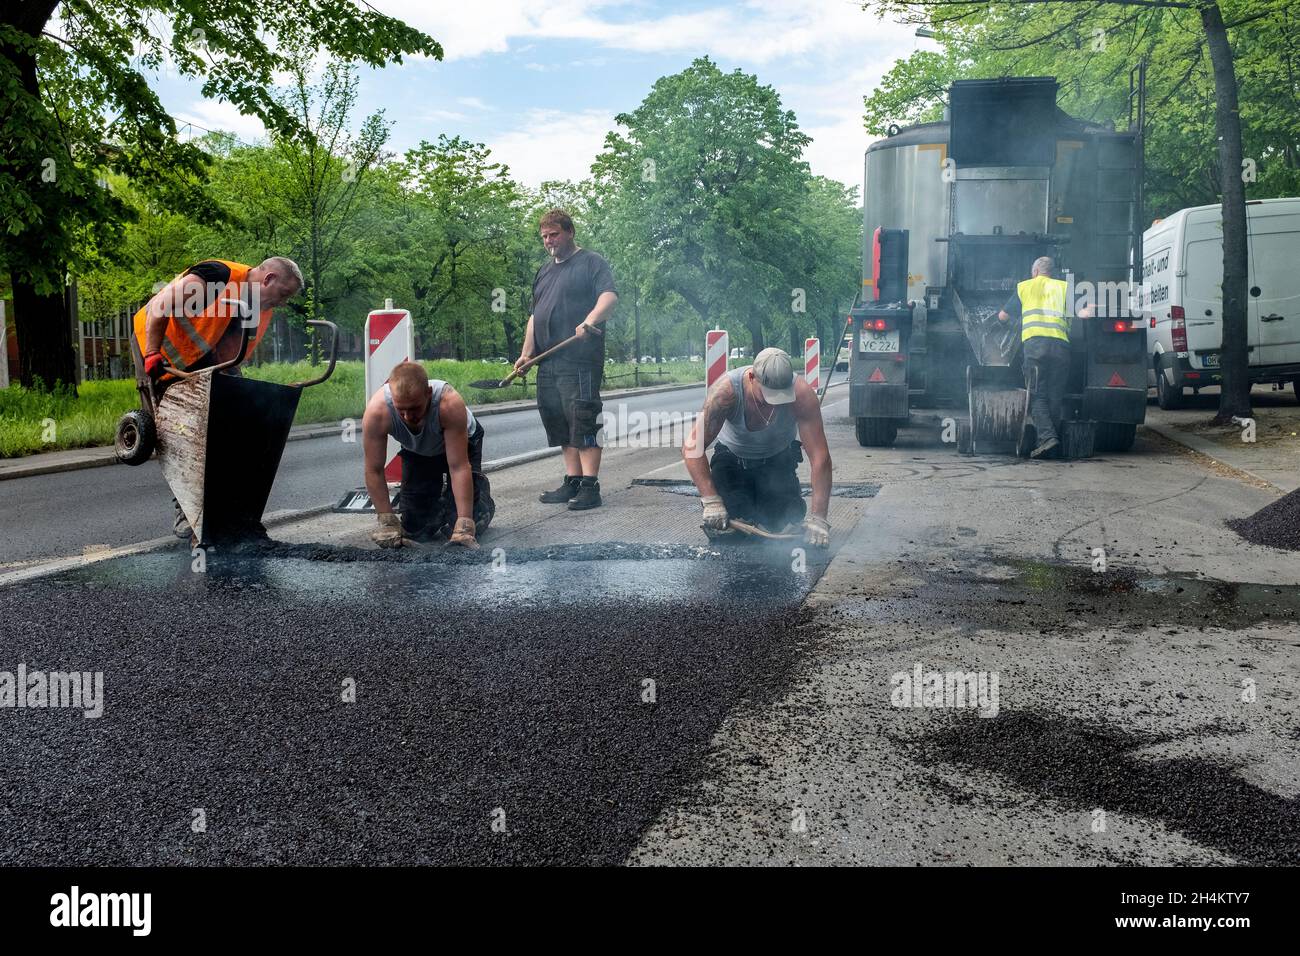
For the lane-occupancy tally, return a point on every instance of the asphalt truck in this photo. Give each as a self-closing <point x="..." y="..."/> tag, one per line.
<point x="955" y="213"/>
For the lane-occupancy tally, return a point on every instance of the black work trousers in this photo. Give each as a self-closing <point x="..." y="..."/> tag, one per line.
<point x="428" y="503"/>
<point x="1047" y="372"/>
<point x="761" y="491"/>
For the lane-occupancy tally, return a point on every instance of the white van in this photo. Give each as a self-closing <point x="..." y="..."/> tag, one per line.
<point x="1182" y="297"/>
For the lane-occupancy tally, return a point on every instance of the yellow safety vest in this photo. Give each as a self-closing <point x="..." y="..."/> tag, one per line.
<point x="1042" y="309"/>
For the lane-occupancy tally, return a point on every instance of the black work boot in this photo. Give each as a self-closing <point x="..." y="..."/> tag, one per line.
<point x="566" y="492"/>
<point x="588" y="495"/>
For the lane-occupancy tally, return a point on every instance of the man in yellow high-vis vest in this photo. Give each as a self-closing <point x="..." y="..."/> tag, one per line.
<point x="1040" y="304"/>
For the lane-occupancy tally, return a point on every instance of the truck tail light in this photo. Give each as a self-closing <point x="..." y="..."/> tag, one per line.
<point x="1179" y="331"/>
<point x="876" y="325"/>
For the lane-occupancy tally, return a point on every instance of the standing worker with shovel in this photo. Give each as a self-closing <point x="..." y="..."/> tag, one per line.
<point x="573" y="295"/>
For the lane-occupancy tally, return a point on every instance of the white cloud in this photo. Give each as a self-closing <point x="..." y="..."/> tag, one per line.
<point x="210" y="114"/>
<point x="750" y="31"/>
<point x="552" y="144"/>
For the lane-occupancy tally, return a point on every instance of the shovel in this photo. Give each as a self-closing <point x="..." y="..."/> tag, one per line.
<point x="489" y="383"/>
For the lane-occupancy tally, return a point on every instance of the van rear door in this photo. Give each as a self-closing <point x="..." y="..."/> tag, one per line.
<point x="1202" y="302"/>
<point x="1275" y="287"/>
<point x="1203" y="292"/>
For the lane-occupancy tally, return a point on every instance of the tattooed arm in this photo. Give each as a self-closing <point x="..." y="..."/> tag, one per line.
<point x="718" y="404"/>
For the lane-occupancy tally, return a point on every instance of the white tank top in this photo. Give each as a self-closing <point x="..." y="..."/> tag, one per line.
<point x="774" y="437"/>
<point x="428" y="440"/>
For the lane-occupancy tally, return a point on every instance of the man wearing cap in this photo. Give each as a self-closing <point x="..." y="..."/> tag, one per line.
<point x="755" y="414"/>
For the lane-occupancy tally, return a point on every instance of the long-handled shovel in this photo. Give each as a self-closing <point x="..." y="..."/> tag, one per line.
<point x="523" y="369"/>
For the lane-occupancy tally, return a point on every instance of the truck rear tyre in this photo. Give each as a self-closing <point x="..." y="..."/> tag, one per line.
<point x="1115" y="436"/>
<point x="1167" y="396"/>
<point x="136" y="438"/>
<point x="1295" y="387"/>
<point x="876" y="432"/>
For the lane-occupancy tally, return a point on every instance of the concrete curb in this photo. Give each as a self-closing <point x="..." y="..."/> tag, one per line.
<point x="1209" y="449"/>
<point x="75" y="459"/>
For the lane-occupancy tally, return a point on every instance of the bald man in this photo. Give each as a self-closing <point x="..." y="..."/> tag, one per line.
<point x="1040" y="303"/>
<point x="444" y="490"/>
<point x="198" y="320"/>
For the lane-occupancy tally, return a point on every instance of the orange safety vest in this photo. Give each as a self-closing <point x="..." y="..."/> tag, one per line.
<point x="188" y="339"/>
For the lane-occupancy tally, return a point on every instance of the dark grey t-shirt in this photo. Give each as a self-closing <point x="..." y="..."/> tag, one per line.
<point x="563" y="295"/>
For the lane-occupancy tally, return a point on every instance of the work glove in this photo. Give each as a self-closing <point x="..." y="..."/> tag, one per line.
<point x="816" y="531"/>
<point x="389" y="534"/>
<point x="715" y="512"/>
<point x="153" y="364"/>
<point x="463" y="534"/>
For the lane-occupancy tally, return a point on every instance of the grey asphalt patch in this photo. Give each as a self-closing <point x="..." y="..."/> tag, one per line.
<point x="1087" y="765"/>
<point x="515" y="697"/>
<point x="1144" y="718"/>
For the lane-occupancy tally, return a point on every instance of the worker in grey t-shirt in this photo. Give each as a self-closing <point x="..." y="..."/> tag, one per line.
<point x="573" y="294"/>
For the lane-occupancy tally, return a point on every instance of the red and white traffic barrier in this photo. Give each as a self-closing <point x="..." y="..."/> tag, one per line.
<point x="716" y="350"/>
<point x="812" y="363"/>
<point x="390" y="339"/>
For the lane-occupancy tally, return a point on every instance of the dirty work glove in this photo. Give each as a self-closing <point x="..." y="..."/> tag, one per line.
<point x="463" y="534"/>
<point x="153" y="364"/>
<point x="389" y="534"/>
<point x="816" y="531"/>
<point x="715" y="512"/>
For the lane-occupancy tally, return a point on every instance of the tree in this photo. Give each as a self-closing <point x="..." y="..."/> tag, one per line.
<point x="324" y="169"/>
<point x="706" y="184"/>
<point x="471" y="210"/>
<point x="77" y="105"/>
<point x="1090" y="45"/>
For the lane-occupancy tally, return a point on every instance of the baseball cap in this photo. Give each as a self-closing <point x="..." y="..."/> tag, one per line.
<point x="774" y="373"/>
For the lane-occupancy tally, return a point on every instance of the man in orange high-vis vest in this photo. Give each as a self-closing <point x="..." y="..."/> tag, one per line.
<point x="197" y="320"/>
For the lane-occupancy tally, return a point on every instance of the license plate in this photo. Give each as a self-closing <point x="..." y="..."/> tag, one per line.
<point x="879" y="341"/>
<point x="1209" y="360"/>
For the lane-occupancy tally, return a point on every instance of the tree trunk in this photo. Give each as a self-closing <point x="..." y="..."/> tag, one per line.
<point x="44" y="331"/>
<point x="1234" y="397"/>
<point x="42" y="322"/>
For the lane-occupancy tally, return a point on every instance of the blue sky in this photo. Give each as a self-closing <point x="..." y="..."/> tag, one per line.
<point x="541" y="84"/>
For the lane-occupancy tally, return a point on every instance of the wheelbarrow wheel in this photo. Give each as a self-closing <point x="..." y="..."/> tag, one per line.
<point x="136" y="437"/>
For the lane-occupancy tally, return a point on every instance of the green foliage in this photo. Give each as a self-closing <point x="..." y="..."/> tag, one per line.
<point x="470" y="229"/>
<point x="707" y="200"/>
<point x="79" y="106"/>
<point x="1090" y="48"/>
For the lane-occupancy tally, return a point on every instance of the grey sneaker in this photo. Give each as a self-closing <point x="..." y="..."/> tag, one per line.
<point x="566" y="492"/>
<point x="181" y="525"/>
<point x="1045" y="447"/>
